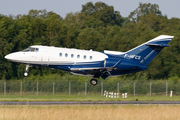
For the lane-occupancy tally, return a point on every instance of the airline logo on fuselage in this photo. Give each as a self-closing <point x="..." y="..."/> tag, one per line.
<point x="137" y="57"/>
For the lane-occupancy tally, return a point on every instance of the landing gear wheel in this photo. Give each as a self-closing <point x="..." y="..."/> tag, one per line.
<point x="93" y="81"/>
<point x="26" y="71"/>
<point x="25" y="74"/>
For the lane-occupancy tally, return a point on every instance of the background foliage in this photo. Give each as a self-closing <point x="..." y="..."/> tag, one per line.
<point x="98" y="26"/>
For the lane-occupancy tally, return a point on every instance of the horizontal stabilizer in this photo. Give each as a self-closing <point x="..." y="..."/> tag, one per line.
<point x="158" y="45"/>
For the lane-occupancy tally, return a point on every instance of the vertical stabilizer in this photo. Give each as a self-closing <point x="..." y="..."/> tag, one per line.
<point x="146" y="52"/>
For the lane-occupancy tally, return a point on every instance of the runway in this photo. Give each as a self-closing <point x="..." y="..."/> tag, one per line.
<point x="90" y="103"/>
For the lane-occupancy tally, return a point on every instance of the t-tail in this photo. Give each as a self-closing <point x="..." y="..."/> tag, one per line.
<point x="146" y="52"/>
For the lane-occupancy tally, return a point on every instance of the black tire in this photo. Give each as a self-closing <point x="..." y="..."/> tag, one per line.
<point x="93" y="81"/>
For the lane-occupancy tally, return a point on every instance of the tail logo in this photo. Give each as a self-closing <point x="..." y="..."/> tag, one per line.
<point x="137" y="57"/>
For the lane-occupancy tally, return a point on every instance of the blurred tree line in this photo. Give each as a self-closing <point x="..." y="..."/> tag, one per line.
<point x="98" y="26"/>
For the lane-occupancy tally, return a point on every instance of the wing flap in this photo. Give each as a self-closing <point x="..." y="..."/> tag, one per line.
<point x="94" y="69"/>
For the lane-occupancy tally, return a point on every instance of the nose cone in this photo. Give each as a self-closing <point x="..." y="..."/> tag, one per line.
<point x="9" y="56"/>
<point x="12" y="56"/>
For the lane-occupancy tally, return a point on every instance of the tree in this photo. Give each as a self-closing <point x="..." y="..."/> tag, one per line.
<point x="88" y="39"/>
<point x="88" y="8"/>
<point x="143" y="10"/>
<point x="102" y="12"/>
<point x="7" y="30"/>
<point x="98" y="26"/>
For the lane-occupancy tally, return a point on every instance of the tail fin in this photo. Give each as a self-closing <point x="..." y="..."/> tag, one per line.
<point x="146" y="52"/>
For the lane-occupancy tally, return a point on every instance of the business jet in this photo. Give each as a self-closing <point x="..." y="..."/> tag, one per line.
<point x="89" y="62"/>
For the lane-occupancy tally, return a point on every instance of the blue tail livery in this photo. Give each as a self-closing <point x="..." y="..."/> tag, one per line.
<point x="146" y="52"/>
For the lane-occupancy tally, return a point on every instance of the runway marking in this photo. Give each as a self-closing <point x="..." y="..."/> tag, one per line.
<point x="92" y="103"/>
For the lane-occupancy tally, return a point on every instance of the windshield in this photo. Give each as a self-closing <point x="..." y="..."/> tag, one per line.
<point x="31" y="49"/>
<point x="27" y="49"/>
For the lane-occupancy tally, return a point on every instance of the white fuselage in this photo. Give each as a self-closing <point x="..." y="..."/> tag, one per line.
<point x="56" y="56"/>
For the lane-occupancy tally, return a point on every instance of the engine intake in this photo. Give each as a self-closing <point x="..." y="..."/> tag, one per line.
<point x="110" y="62"/>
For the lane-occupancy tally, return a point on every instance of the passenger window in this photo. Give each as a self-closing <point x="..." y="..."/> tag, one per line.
<point x="60" y="54"/>
<point x="90" y="57"/>
<point x="78" y="56"/>
<point x="66" y="55"/>
<point x="36" y="49"/>
<point x="84" y="56"/>
<point x="72" y="55"/>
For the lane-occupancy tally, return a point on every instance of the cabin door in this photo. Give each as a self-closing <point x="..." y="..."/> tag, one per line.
<point x="45" y="59"/>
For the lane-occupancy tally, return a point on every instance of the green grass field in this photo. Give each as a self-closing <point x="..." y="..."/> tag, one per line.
<point x="84" y="98"/>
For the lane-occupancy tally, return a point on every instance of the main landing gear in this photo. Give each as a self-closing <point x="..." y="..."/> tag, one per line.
<point x="93" y="81"/>
<point x="26" y="72"/>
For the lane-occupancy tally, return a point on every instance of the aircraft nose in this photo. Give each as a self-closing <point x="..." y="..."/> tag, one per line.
<point x="11" y="56"/>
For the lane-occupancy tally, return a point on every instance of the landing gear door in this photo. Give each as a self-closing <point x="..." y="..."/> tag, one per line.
<point x="45" y="59"/>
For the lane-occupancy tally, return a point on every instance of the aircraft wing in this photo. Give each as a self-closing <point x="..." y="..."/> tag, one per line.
<point x="93" y="69"/>
<point x="102" y="71"/>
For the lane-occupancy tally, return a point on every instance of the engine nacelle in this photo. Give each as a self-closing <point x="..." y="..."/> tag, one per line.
<point x="110" y="62"/>
<point x="123" y="64"/>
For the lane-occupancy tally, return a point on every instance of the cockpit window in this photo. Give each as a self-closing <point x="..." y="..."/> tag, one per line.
<point x="31" y="49"/>
<point x="27" y="49"/>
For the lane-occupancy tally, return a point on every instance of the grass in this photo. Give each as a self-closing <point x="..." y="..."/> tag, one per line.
<point x="85" y="112"/>
<point x="104" y="112"/>
<point x="85" y="98"/>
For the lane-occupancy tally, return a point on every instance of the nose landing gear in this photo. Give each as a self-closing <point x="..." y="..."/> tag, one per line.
<point x="26" y="72"/>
